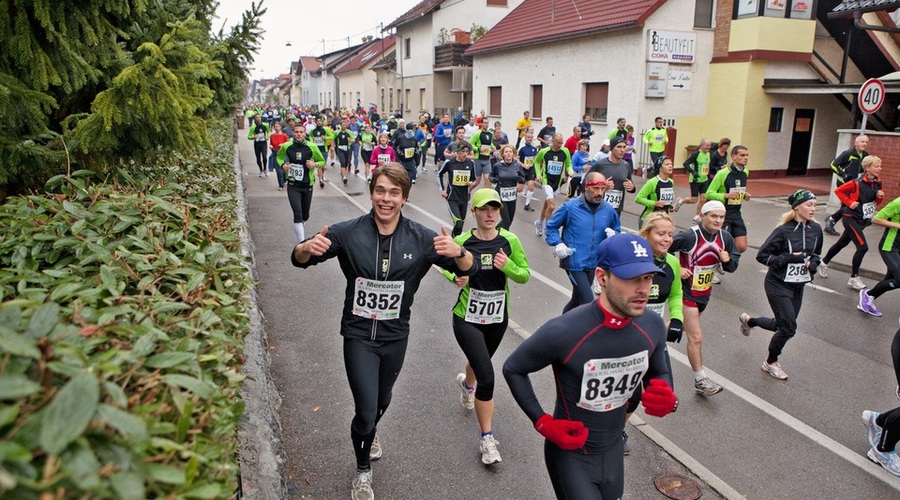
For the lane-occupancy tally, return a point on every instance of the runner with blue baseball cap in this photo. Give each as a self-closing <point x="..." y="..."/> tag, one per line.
<point x="600" y="353"/>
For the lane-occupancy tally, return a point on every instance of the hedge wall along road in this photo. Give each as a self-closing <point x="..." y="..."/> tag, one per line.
<point x="121" y="332"/>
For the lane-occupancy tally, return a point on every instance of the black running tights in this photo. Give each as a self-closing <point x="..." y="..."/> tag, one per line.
<point x="372" y="368"/>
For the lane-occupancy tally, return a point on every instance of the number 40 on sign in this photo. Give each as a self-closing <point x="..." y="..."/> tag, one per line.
<point x="871" y="97"/>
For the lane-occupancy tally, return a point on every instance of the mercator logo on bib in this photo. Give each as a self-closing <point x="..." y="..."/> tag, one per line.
<point x="607" y="384"/>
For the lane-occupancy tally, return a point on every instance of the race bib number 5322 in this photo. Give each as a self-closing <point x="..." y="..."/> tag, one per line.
<point x="607" y="384"/>
<point x="379" y="300"/>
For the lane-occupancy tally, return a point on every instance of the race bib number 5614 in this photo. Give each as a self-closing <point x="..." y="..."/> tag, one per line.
<point x="608" y="383"/>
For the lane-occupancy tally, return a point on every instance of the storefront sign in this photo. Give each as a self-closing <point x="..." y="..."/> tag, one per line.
<point x="672" y="46"/>
<point x="657" y="79"/>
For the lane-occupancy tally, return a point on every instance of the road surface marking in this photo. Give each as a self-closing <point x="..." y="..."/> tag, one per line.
<point x="696" y="467"/>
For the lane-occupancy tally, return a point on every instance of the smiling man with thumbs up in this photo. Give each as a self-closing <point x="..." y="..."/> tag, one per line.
<point x="384" y="257"/>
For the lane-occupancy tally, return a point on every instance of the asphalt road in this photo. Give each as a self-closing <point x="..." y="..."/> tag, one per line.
<point x="761" y="438"/>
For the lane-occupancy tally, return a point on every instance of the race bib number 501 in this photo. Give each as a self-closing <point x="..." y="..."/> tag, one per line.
<point x="608" y="383"/>
<point x="379" y="300"/>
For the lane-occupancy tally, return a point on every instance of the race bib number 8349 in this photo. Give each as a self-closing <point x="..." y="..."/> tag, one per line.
<point x="608" y="383"/>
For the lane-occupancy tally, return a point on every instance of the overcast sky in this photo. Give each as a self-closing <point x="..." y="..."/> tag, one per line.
<point x="306" y="23"/>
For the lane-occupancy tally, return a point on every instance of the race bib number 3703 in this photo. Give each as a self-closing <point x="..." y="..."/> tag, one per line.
<point x="608" y="383"/>
<point x="379" y="300"/>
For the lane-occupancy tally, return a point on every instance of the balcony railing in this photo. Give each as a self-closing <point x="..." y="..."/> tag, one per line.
<point x="451" y="55"/>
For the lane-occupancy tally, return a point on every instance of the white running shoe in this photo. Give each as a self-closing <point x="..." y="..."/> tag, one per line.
<point x="745" y="324"/>
<point x="716" y="279"/>
<point x="889" y="461"/>
<point x="873" y="431"/>
<point x="856" y="283"/>
<point x="489" y="453"/>
<point x="361" y="489"/>
<point x="595" y="287"/>
<point x="696" y="219"/>
<point x="822" y="269"/>
<point x="678" y="202"/>
<point x="466" y="396"/>
<point x="538" y="228"/>
<point x="375" y="452"/>
<point x="706" y="387"/>
<point x="774" y="370"/>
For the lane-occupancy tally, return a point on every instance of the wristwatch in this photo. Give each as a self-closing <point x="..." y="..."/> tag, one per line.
<point x="462" y="252"/>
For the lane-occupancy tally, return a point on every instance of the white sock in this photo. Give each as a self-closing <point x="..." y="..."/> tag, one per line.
<point x="298" y="230"/>
<point x="699" y="375"/>
<point x="528" y="196"/>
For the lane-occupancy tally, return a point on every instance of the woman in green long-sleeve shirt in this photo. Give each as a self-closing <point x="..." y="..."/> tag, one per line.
<point x="889" y="246"/>
<point x="658" y="194"/>
<point x="481" y="313"/>
<point x="659" y="230"/>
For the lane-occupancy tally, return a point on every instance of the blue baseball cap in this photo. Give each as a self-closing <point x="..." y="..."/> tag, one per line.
<point x="627" y="256"/>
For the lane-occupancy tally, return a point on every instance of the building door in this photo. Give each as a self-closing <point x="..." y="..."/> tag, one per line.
<point x="801" y="139"/>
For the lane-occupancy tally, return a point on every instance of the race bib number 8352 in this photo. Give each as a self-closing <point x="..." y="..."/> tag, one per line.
<point x="378" y="300"/>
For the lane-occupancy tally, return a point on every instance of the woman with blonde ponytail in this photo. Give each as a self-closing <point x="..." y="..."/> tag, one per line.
<point x="792" y="253"/>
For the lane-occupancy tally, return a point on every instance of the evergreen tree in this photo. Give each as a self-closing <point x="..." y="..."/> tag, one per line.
<point x="96" y="83"/>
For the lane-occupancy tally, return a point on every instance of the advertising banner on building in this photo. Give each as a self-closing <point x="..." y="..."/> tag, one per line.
<point x="672" y="46"/>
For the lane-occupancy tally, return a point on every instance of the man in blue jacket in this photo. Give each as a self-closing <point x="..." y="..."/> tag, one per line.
<point x="443" y="136"/>
<point x="585" y="222"/>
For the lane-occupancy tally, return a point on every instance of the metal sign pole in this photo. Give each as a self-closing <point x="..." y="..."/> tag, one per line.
<point x="862" y="128"/>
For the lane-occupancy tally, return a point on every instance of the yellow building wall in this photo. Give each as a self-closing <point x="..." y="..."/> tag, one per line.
<point x="769" y="33"/>
<point x="738" y="108"/>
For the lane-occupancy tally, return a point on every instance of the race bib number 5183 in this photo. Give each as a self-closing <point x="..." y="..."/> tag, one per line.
<point x="608" y="383"/>
<point x="379" y="300"/>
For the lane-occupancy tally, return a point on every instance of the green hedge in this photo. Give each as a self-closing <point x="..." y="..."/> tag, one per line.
<point x="122" y="317"/>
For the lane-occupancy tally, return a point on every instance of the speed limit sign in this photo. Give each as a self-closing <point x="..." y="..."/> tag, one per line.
<point x="871" y="96"/>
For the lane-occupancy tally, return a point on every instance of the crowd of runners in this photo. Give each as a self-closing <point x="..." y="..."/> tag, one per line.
<point x="623" y="285"/>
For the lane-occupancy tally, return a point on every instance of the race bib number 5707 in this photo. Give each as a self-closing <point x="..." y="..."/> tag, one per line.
<point x="608" y="383"/>
<point x="379" y="300"/>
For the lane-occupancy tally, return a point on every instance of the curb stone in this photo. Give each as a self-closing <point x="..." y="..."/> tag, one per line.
<point x="259" y="430"/>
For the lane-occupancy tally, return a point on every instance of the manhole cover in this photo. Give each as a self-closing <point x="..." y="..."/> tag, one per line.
<point x="677" y="487"/>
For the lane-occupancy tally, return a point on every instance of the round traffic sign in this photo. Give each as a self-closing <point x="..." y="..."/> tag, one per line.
<point x="871" y="96"/>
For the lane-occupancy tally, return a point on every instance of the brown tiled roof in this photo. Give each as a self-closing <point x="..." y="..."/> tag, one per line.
<point x="389" y="61"/>
<point x="309" y="63"/>
<point x="542" y="21"/>
<point x="422" y="8"/>
<point x="371" y="52"/>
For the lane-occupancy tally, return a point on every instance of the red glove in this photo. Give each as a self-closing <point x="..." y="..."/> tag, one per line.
<point x="658" y="398"/>
<point x="567" y="434"/>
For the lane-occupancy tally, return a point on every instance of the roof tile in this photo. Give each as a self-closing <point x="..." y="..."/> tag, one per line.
<point x="542" y="21"/>
<point x="373" y="51"/>
<point x="420" y="9"/>
<point x="310" y="63"/>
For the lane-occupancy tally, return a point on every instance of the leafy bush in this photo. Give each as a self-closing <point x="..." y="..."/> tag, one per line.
<point x="122" y="318"/>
